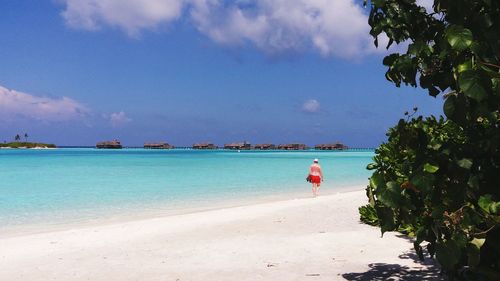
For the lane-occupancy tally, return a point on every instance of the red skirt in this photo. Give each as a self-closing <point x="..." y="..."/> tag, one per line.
<point x="316" y="179"/>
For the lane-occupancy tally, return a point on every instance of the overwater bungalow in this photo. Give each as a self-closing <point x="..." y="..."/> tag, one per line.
<point x="330" y="146"/>
<point x="114" y="144"/>
<point x="265" y="146"/>
<point x="238" y="146"/>
<point x="204" y="145"/>
<point x="292" y="146"/>
<point x="158" y="145"/>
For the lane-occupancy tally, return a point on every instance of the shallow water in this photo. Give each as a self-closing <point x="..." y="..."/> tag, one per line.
<point x="67" y="185"/>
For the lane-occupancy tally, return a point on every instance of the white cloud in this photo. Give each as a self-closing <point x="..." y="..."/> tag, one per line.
<point x="118" y="119"/>
<point x="129" y="15"/>
<point x="311" y="106"/>
<point x="14" y="104"/>
<point x="329" y="27"/>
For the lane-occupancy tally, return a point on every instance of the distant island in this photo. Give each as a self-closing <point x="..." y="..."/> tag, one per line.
<point x="17" y="143"/>
<point x="32" y="145"/>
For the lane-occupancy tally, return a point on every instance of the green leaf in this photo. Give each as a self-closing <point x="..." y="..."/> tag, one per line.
<point x="448" y="254"/>
<point x="484" y="202"/>
<point x="429" y="168"/>
<point x="377" y="180"/>
<point x="391" y="195"/>
<point x="464" y="66"/>
<point x="465" y="163"/>
<point x="459" y="38"/>
<point x="470" y="84"/>
<point x="386" y="219"/>
<point x="390" y="59"/>
<point x="495" y="208"/>
<point x="372" y="166"/>
<point x="449" y="106"/>
<point x="478" y="243"/>
<point x="423" y="182"/>
<point x="418" y="47"/>
<point x="438" y="211"/>
<point x="473" y="182"/>
<point x="496" y="86"/>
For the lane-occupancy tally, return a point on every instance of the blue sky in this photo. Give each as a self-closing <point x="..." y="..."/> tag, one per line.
<point x="183" y="71"/>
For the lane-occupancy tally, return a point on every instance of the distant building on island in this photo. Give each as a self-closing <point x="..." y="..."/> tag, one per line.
<point x="330" y="146"/>
<point x="292" y="146"/>
<point x="265" y="146"/>
<point x="204" y="145"/>
<point x="238" y="146"/>
<point x="114" y="144"/>
<point x="158" y="145"/>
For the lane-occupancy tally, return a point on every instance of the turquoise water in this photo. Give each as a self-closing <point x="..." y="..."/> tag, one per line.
<point x="65" y="185"/>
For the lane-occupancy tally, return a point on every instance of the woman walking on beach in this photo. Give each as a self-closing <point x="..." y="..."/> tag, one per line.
<point x="315" y="176"/>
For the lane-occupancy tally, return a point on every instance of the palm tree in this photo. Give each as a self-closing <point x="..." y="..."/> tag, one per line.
<point x="17" y="138"/>
<point x="26" y="136"/>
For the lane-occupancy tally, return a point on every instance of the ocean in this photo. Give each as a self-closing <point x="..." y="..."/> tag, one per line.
<point x="68" y="185"/>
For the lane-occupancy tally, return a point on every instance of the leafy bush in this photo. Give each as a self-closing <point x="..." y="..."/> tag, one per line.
<point x="427" y="181"/>
<point x="439" y="178"/>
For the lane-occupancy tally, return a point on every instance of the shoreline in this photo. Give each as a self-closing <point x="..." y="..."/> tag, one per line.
<point x="294" y="239"/>
<point x="179" y="208"/>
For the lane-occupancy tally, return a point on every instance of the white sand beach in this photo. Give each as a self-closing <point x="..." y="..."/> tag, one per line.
<point x="300" y="239"/>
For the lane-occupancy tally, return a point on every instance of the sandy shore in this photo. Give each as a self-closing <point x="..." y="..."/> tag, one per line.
<point x="301" y="239"/>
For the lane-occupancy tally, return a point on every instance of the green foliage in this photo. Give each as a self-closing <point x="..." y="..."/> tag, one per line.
<point x="439" y="178"/>
<point x="452" y="203"/>
<point x="368" y="215"/>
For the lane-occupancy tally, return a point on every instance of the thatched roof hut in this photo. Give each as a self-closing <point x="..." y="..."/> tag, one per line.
<point x="114" y="144"/>
<point x="292" y="146"/>
<point x="238" y="146"/>
<point x="204" y="145"/>
<point x="265" y="146"/>
<point x="330" y="146"/>
<point x="158" y="145"/>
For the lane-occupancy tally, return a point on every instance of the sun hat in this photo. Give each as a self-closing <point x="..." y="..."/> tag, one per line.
<point x="316" y="160"/>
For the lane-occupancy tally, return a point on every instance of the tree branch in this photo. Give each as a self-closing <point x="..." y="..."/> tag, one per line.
<point x="490" y="64"/>
<point x="484" y="232"/>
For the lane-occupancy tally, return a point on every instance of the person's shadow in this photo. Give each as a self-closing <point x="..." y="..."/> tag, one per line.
<point x="386" y="271"/>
